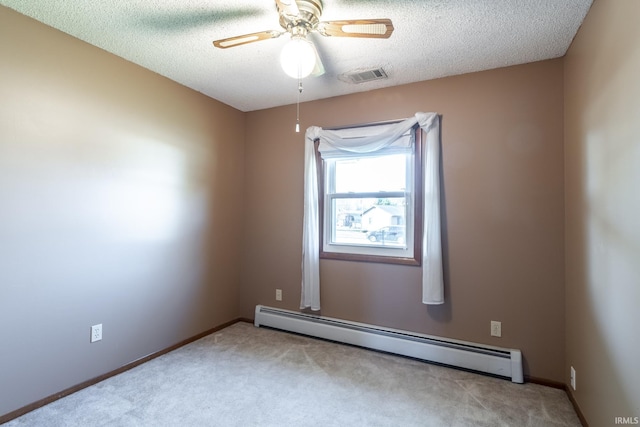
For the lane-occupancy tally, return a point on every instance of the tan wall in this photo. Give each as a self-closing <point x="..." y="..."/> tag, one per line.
<point x="120" y="204"/>
<point x="602" y="152"/>
<point x="503" y="192"/>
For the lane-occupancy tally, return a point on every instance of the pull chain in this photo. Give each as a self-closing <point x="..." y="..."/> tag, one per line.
<point x="298" y="106"/>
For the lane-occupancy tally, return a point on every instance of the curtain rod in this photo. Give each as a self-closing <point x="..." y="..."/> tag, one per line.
<point x="384" y="122"/>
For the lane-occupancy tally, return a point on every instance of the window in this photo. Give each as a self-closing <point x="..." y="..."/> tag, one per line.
<point x="371" y="203"/>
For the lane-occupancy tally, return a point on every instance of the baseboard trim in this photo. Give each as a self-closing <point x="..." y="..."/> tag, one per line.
<point x="574" y="402"/>
<point x="49" y="399"/>
<point x="545" y="382"/>
<point x="566" y="388"/>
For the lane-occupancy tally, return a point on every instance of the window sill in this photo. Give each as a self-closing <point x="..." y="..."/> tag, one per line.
<point x="370" y="258"/>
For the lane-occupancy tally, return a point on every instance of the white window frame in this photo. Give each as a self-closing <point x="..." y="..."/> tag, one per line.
<point x="409" y="252"/>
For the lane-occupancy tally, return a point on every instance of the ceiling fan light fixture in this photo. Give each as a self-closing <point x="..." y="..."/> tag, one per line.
<point x="298" y="57"/>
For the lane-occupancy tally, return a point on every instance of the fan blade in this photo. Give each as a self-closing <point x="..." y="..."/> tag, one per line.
<point x="247" y="38"/>
<point x="288" y="7"/>
<point x="366" y="28"/>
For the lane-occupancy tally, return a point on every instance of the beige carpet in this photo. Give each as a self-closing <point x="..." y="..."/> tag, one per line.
<point x="247" y="376"/>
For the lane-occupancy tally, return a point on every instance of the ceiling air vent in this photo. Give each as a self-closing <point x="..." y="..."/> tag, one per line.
<point x="365" y="76"/>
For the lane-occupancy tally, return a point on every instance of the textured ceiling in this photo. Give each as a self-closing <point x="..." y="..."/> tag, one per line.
<point x="432" y="38"/>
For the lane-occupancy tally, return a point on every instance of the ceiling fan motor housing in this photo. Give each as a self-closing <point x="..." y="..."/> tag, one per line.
<point x="308" y="18"/>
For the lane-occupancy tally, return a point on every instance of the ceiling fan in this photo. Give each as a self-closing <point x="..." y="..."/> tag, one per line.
<point x="299" y="57"/>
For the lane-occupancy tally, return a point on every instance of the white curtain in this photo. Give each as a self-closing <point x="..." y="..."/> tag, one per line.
<point x="362" y="141"/>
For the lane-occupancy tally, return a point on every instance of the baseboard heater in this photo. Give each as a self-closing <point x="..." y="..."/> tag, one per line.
<point x="476" y="357"/>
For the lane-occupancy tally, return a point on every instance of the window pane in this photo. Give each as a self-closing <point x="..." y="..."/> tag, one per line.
<point x="371" y="174"/>
<point x="369" y="221"/>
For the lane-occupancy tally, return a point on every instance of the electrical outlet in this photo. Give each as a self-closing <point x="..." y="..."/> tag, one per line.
<point x="96" y="332"/>
<point x="573" y="378"/>
<point x="278" y="294"/>
<point x="496" y="328"/>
